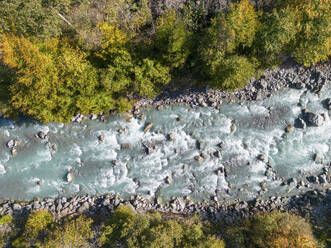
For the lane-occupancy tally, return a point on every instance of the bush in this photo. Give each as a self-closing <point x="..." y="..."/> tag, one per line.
<point x="150" y="230"/>
<point x="6" y="229"/>
<point x="275" y="230"/>
<point x="71" y="233"/>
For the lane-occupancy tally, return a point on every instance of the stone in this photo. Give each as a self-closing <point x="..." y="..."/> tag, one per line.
<point x="184" y="166"/>
<point x="168" y="180"/>
<point x="10" y="144"/>
<point x="313" y="119"/>
<point x="261" y="157"/>
<point x="289" y="128"/>
<point x="149" y="150"/>
<point x="327" y="103"/>
<point x="221" y="145"/>
<point x="14" y="151"/>
<point x="101" y="137"/>
<point x="218" y="154"/>
<point x="263" y="185"/>
<point x="42" y="135"/>
<point x="292" y="182"/>
<point x="322" y="179"/>
<point x="171" y="137"/>
<point x="233" y="128"/>
<point x="315" y="157"/>
<point x="299" y="86"/>
<point x="54" y="147"/>
<point x="148" y="127"/>
<point x="125" y="146"/>
<point x="300" y="123"/>
<point x="312" y="179"/>
<point x="159" y="108"/>
<point x="200" y="145"/>
<point x="70" y="177"/>
<point x="198" y="158"/>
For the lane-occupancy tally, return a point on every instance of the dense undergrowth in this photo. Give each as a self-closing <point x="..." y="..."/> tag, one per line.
<point x="63" y="57"/>
<point x="125" y="228"/>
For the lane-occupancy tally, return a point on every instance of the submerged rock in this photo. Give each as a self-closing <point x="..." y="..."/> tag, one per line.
<point x="261" y="157"/>
<point x="198" y="158"/>
<point x="10" y="144"/>
<point x="125" y="146"/>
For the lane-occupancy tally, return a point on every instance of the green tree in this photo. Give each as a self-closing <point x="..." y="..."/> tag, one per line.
<point x="29" y="18"/>
<point x="173" y="41"/>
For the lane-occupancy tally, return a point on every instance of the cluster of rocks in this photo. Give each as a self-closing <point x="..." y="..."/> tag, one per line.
<point x="214" y="210"/>
<point x="13" y="145"/>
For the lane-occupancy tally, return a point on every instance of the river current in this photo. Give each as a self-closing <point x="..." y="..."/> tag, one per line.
<point x="245" y="131"/>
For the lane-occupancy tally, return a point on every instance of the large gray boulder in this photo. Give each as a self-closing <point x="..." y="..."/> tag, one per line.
<point x="313" y="119"/>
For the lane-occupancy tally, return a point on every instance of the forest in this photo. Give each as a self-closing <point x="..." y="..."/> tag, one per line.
<point x="59" y="58"/>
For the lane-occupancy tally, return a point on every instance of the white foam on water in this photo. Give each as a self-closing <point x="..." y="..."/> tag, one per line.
<point x="2" y="169"/>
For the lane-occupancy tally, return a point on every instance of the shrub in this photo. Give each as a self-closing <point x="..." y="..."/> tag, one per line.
<point x="36" y="224"/>
<point x="150" y="230"/>
<point x="274" y="230"/>
<point x="6" y="229"/>
<point x="71" y="233"/>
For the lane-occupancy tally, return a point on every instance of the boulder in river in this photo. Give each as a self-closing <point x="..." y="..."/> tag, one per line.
<point x="200" y="144"/>
<point x="101" y="137"/>
<point x="148" y="127"/>
<point x="198" y="158"/>
<point x="42" y="135"/>
<point x="261" y="157"/>
<point x="289" y="128"/>
<point x="10" y="144"/>
<point x="300" y="123"/>
<point x="313" y="119"/>
<point x="327" y="103"/>
<point x="13" y="151"/>
<point x="171" y="137"/>
<point x="70" y="177"/>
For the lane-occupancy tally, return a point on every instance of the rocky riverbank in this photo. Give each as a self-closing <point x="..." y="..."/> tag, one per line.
<point x="313" y="204"/>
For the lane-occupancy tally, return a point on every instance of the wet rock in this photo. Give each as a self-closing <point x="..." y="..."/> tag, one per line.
<point x="148" y="127"/>
<point x="13" y="152"/>
<point x="198" y="158"/>
<point x="168" y="180"/>
<point x="233" y="128"/>
<point x="261" y="157"/>
<point x="42" y="135"/>
<point x="204" y="156"/>
<point x="115" y="162"/>
<point x="200" y="144"/>
<point x="54" y="147"/>
<point x="149" y="150"/>
<point x="171" y="137"/>
<point x="184" y="166"/>
<point x="218" y="154"/>
<point x="70" y="177"/>
<point x="159" y="108"/>
<point x="313" y="119"/>
<point x="300" y="123"/>
<point x="263" y="185"/>
<point x="221" y="145"/>
<point x="10" y="144"/>
<point x="289" y="128"/>
<point x="327" y="103"/>
<point x="315" y="157"/>
<point x="101" y="137"/>
<point x="125" y="146"/>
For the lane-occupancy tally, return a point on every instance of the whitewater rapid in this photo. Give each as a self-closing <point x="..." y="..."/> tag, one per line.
<point x="245" y="130"/>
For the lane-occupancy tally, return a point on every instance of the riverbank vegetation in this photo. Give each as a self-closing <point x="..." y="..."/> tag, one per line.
<point x="125" y="228"/>
<point x="59" y="58"/>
